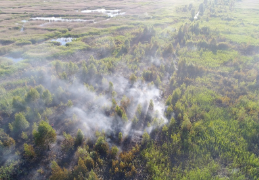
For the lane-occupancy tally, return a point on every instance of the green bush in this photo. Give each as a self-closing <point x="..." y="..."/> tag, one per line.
<point x="20" y="122"/>
<point x="29" y="151"/>
<point x="79" y="137"/>
<point x="44" y="135"/>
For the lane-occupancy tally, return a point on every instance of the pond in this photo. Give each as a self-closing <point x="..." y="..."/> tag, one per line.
<point x="110" y="13"/>
<point x="55" y="19"/>
<point x="23" y="21"/>
<point x="63" y="41"/>
<point x="14" y="59"/>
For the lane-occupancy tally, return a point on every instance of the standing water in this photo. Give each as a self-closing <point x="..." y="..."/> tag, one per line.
<point x="24" y="21"/>
<point x="14" y="59"/>
<point x="54" y="19"/>
<point x="63" y="41"/>
<point x="110" y="13"/>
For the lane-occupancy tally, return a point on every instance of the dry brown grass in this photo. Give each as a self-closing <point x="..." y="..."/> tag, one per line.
<point x="13" y="12"/>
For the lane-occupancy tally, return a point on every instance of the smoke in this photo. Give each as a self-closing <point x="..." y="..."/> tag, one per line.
<point x="90" y="107"/>
<point x="155" y="61"/>
<point x="92" y="120"/>
<point x="94" y="109"/>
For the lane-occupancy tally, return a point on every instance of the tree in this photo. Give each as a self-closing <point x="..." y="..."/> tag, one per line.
<point x="101" y="146"/>
<point x="18" y="103"/>
<point x="169" y="50"/>
<point x="92" y="70"/>
<point x="158" y="81"/>
<point x="57" y="173"/>
<point x="58" y="66"/>
<point x="20" y="122"/>
<point x="193" y="13"/>
<point x="40" y="88"/>
<point x="89" y="162"/>
<point x="119" y="111"/>
<point x="213" y="45"/>
<point x="111" y="88"/>
<point x="176" y="95"/>
<point x="151" y="106"/>
<point x="145" y="138"/>
<point x="47" y="97"/>
<point x="68" y="143"/>
<point x="114" y="152"/>
<point x="127" y="44"/>
<point x="79" y="137"/>
<point x="133" y="78"/>
<point x="45" y="134"/>
<point x="84" y="73"/>
<point x="24" y="135"/>
<point x="71" y="68"/>
<point x="120" y="136"/>
<point x="32" y="95"/>
<point x="63" y="76"/>
<point x="92" y="176"/>
<point x="69" y="103"/>
<point x="82" y="152"/>
<point x="81" y="168"/>
<point x="201" y="8"/>
<point x="29" y="151"/>
<point x="5" y="141"/>
<point x="169" y="112"/>
<point x="186" y="124"/>
<point x="135" y="121"/>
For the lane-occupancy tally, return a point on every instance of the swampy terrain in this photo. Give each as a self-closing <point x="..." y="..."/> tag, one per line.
<point x="129" y="89"/>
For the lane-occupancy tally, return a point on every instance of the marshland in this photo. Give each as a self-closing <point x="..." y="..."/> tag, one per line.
<point x="130" y="89"/>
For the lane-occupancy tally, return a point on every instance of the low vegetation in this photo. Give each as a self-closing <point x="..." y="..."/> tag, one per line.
<point x="168" y="90"/>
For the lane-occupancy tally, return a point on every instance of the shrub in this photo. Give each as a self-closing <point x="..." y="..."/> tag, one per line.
<point x="133" y="78"/>
<point x="223" y="46"/>
<point x="119" y="111"/>
<point x="68" y="143"/>
<point x="29" y="151"/>
<point x="69" y="103"/>
<point x="18" y="103"/>
<point x="82" y="152"/>
<point x="5" y="140"/>
<point x="20" y="122"/>
<point x="23" y="42"/>
<point x="47" y="97"/>
<point x="45" y="134"/>
<point x="145" y="137"/>
<point x="120" y="136"/>
<point x="135" y="121"/>
<point x="114" y="151"/>
<point x="92" y="176"/>
<point x="32" y="95"/>
<point x="158" y="81"/>
<point x="101" y="146"/>
<point x="81" y="167"/>
<point x="57" y="173"/>
<point x="79" y="137"/>
<point x="40" y="88"/>
<point x="89" y="162"/>
<point x="24" y="135"/>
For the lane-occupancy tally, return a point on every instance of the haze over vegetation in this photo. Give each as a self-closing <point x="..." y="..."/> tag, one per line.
<point x="129" y="89"/>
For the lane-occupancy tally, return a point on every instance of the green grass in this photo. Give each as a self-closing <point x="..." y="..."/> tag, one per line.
<point x="208" y="58"/>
